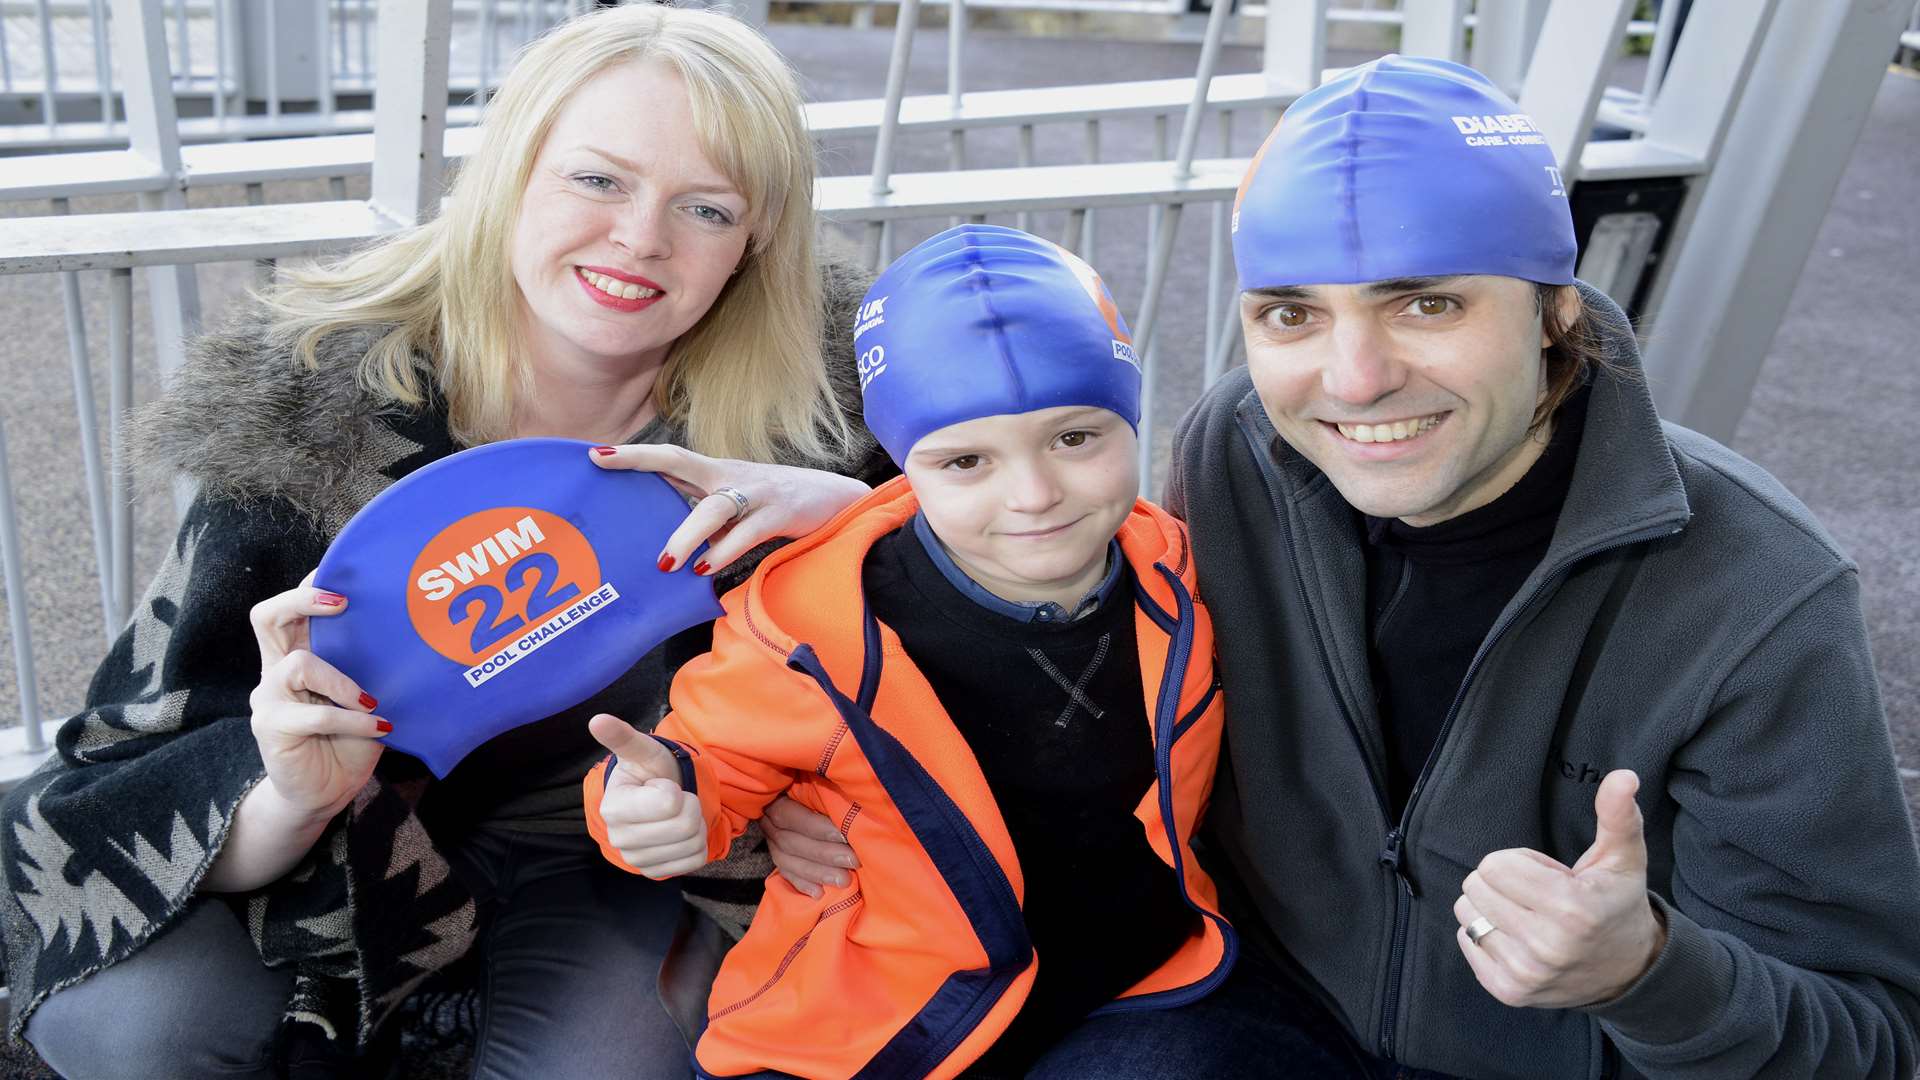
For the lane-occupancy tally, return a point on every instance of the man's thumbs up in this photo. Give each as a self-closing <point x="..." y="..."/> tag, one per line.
<point x="654" y="824"/>
<point x="1620" y="836"/>
<point x="1539" y="934"/>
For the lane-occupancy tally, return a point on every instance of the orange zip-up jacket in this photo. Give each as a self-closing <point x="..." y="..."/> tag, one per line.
<point x="918" y="964"/>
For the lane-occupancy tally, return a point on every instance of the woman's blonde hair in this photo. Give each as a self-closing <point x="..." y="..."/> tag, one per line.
<point x="746" y="381"/>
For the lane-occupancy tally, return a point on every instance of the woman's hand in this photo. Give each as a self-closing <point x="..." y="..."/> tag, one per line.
<point x="781" y="500"/>
<point x="315" y="726"/>
<point x="807" y="850"/>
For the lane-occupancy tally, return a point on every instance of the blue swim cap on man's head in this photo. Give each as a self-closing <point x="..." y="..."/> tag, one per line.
<point x="982" y="320"/>
<point x="1404" y="167"/>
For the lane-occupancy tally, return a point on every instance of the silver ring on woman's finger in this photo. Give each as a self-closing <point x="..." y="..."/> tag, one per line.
<point x="739" y="498"/>
<point x="1480" y="928"/>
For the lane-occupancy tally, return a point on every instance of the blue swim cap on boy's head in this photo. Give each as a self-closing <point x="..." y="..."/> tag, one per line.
<point x="1404" y="167"/>
<point x="983" y="321"/>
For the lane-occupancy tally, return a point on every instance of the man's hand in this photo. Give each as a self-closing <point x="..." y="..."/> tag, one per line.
<point x="1566" y="936"/>
<point x="654" y="824"/>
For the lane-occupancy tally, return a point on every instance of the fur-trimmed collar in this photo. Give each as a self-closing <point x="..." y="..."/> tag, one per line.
<point x="246" y="420"/>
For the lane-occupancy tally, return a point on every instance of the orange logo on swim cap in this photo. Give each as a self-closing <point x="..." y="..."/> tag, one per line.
<point x="485" y="579"/>
<point x="1089" y="279"/>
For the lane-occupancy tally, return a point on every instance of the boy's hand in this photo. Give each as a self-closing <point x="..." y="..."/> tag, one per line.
<point x="654" y="824"/>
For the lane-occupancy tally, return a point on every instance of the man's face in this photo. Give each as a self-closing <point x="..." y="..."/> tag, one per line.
<point x="1026" y="503"/>
<point x="1414" y="395"/>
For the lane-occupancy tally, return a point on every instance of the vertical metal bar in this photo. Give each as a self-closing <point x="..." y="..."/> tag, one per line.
<point x="119" y="401"/>
<point x="484" y="83"/>
<point x="1295" y="52"/>
<point x="102" y="66"/>
<point x="323" y="56"/>
<point x="1144" y="330"/>
<point x="1563" y="96"/>
<point x="1223" y="297"/>
<point x="6" y="61"/>
<point x="1023" y="157"/>
<point x="1202" y="85"/>
<point x="1226" y="339"/>
<point x="89" y="435"/>
<point x="233" y="55"/>
<point x="1661" y="52"/>
<point x="909" y="17"/>
<point x="1504" y="33"/>
<point x="1434" y="28"/>
<point x="1157" y="212"/>
<point x="1076" y="228"/>
<point x="1093" y="158"/>
<point x="1218" y="290"/>
<point x="272" y="8"/>
<point x="184" y="44"/>
<point x="10" y="556"/>
<point x="956" y="101"/>
<point x="410" y="109"/>
<point x="366" y="52"/>
<point x="153" y="130"/>
<point x="219" y="59"/>
<point x="262" y="268"/>
<point x="50" y="77"/>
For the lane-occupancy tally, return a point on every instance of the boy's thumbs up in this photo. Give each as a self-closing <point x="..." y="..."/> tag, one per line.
<point x="655" y="826"/>
<point x="1619" y="839"/>
<point x="641" y="757"/>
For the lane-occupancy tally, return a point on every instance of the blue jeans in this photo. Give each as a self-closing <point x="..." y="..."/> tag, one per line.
<point x="571" y="950"/>
<point x="1255" y="1026"/>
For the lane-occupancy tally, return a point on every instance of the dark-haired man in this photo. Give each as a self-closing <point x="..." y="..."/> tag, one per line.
<point x="1554" y="746"/>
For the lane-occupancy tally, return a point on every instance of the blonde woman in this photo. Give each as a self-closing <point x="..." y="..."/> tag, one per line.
<point x="221" y="874"/>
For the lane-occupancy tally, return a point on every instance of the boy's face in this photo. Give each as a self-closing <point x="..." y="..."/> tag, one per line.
<point x="1026" y="503"/>
<point x="1414" y="396"/>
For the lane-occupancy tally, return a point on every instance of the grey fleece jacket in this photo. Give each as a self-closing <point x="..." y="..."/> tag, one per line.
<point x="1690" y="621"/>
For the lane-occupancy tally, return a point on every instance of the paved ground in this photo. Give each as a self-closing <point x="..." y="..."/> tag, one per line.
<point x="1828" y="416"/>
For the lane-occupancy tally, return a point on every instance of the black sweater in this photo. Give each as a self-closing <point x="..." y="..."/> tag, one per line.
<point x="1434" y="592"/>
<point x="1055" y="714"/>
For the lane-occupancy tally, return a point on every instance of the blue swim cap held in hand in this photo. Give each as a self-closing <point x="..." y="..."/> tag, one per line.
<point x="1403" y="167"/>
<point x="499" y="586"/>
<point x="982" y="320"/>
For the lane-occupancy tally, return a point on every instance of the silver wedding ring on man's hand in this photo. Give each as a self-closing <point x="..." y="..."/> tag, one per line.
<point x="739" y="498"/>
<point x="1480" y="928"/>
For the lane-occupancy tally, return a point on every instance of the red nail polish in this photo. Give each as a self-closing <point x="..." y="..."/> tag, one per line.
<point x="367" y="701"/>
<point x="328" y="599"/>
<point x="701" y="568"/>
<point x="666" y="564"/>
<point x="605" y="451"/>
<point x="382" y="726"/>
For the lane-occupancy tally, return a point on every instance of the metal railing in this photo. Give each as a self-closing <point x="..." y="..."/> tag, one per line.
<point x="1684" y="135"/>
<point x="293" y="59"/>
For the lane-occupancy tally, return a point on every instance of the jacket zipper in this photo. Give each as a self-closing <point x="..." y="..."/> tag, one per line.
<point x="984" y="864"/>
<point x="1167" y="726"/>
<point x="1393" y="856"/>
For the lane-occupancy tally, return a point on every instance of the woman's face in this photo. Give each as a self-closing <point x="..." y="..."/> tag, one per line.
<point x="626" y="232"/>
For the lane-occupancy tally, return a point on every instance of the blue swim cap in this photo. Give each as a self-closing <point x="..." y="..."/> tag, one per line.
<point x="983" y="320"/>
<point x="1404" y="167"/>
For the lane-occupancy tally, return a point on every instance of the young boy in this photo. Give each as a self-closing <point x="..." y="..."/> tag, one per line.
<point x="992" y="674"/>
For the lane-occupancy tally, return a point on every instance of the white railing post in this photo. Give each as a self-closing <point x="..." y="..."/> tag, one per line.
<point x="908" y="17"/>
<point x="1504" y="33"/>
<point x="1582" y="37"/>
<point x="1807" y="96"/>
<point x="1434" y="28"/>
<point x="1295" y="56"/>
<point x="17" y="623"/>
<point x="410" y="109"/>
